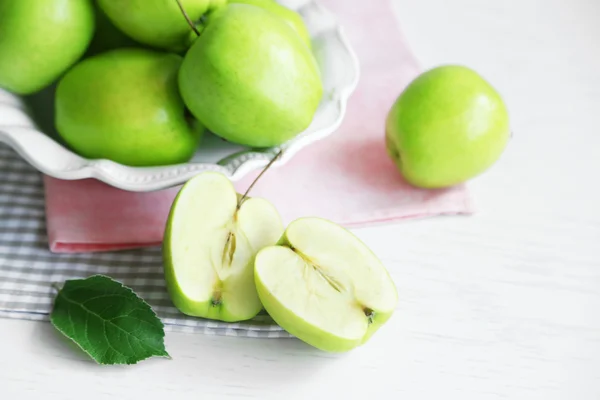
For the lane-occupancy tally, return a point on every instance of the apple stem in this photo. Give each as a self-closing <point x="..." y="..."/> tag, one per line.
<point x="187" y="18"/>
<point x="258" y="178"/>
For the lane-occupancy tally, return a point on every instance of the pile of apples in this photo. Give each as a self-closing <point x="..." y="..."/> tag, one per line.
<point x="140" y="81"/>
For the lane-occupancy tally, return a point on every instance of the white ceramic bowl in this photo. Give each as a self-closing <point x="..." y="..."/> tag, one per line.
<point x="340" y="73"/>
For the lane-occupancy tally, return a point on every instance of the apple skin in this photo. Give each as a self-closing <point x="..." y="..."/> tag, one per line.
<point x="41" y="40"/>
<point x="290" y="16"/>
<point x="309" y="333"/>
<point x="263" y="90"/>
<point x="448" y="126"/>
<point x="107" y="36"/>
<point x="305" y="331"/>
<point x="124" y="105"/>
<point x="156" y="23"/>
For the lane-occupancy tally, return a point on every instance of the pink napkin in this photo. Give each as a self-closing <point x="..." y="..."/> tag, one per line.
<point x="347" y="178"/>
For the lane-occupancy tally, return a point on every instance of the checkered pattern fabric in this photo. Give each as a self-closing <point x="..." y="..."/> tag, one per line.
<point x="28" y="269"/>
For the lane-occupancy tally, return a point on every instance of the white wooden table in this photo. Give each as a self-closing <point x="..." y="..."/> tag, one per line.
<point x="505" y="304"/>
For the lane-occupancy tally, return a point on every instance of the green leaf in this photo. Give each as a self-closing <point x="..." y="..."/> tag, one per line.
<point x="108" y="321"/>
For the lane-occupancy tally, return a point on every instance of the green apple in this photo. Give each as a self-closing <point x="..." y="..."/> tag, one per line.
<point x="40" y="40"/>
<point x="448" y="126"/>
<point x="324" y="286"/>
<point x="291" y="17"/>
<point x="249" y="78"/>
<point x="124" y="105"/>
<point x="107" y="36"/>
<point x="157" y="23"/>
<point x="210" y="242"/>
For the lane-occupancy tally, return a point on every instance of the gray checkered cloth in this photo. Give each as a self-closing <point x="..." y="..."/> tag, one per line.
<point x="28" y="269"/>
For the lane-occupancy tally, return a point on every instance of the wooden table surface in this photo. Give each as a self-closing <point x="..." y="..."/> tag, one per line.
<point x="504" y="304"/>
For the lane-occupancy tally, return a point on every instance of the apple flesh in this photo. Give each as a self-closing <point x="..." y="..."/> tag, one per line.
<point x="249" y="78"/>
<point x="448" y="126"/>
<point x="324" y="286"/>
<point x="209" y="247"/>
<point x="40" y="40"/>
<point x="124" y="105"/>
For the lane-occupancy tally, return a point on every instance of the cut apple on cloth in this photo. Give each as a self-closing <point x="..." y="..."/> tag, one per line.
<point x="324" y="286"/>
<point x="211" y="239"/>
<point x="226" y="256"/>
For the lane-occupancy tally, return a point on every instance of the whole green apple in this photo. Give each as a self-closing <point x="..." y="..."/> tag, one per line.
<point x="250" y="78"/>
<point x="290" y="16"/>
<point x="448" y="126"/>
<point x="40" y="40"/>
<point x="157" y="23"/>
<point x="124" y="105"/>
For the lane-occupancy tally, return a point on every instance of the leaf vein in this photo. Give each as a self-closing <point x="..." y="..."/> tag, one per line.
<point x="110" y="322"/>
<point x="110" y="346"/>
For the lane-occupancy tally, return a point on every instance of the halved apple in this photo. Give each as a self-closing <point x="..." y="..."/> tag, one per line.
<point x="211" y="239"/>
<point x="324" y="286"/>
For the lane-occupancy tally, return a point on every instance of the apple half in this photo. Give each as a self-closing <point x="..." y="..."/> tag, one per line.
<point x="211" y="239"/>
<point x="323" y="285"/>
